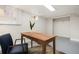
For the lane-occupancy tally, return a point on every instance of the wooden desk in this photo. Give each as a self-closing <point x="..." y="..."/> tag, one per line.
<point x="40" y="38"/>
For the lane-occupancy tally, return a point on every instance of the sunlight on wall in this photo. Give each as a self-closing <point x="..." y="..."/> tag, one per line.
<point x="1" y="12"/>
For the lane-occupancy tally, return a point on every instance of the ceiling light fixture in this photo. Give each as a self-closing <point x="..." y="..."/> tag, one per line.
<point x="50" y="7"/>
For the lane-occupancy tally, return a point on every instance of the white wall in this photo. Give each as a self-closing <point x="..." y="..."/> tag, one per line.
<point x="67" y="27"/>
<point x="74" y="27"/>
<point x="62" y="26"/>
<point x="40" y="25"/>
<point x="49" y="26"/>
<point x="23" y="18"/>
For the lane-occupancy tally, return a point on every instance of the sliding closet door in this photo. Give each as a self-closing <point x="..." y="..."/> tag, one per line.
<point x="62" y="26"/>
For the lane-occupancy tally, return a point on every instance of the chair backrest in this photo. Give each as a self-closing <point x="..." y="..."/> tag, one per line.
<point x="5" y="42"/>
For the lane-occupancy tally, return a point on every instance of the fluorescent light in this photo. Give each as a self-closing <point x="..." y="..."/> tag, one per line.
<point x="50" y="7"/>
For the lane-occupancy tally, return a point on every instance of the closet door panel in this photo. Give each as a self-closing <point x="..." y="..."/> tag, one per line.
<point x="62" y="27"/>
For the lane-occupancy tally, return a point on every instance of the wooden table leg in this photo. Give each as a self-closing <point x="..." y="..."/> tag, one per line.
<point x="22" y="42"/>
<point x="31" y="43"/>
<point x="21" y="39"/>
<point x="44" y="48"/>
<point x="54" y="48"/>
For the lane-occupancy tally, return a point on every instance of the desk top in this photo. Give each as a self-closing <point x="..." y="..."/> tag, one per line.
<point x="38" y="35"/>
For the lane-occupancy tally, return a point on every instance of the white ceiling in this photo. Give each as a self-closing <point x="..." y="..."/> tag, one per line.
<point x="40" y="10"/>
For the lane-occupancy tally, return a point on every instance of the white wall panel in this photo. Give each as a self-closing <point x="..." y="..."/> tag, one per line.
<point x="62" y="26"/>
<point x="74" y="21"/>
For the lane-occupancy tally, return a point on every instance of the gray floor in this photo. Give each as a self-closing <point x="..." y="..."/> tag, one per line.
<point x="66" y="45"/>
<point x="38" y="50"/>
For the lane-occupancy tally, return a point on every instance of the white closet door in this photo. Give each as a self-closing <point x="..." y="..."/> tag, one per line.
<point x="62" y="27"/>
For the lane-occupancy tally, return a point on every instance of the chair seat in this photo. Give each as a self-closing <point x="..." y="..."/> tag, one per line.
<point x="18" y="49"/>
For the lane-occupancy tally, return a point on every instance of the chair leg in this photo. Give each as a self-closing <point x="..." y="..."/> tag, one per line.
<point x="24" y="40"/>
<point x="20" y="39"/>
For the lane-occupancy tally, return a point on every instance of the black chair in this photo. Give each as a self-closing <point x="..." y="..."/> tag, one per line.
<point x="8" y="47"/>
